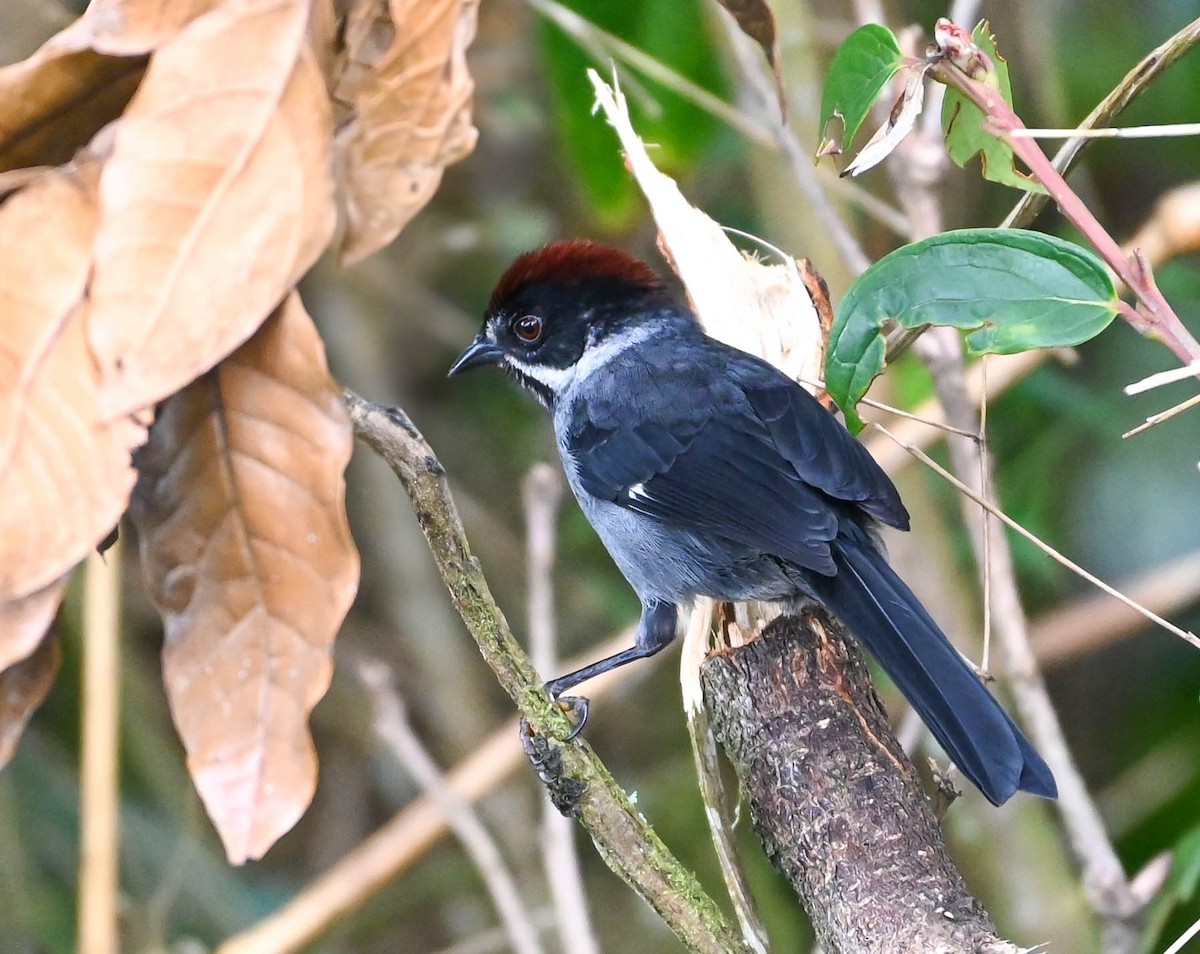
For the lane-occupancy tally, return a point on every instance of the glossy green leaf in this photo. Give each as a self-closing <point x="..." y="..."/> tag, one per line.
<point x="962" y="122"/>
<point x="1009" y="289"/>
<point x="673" y="33"/>
<point x="861" y="68"/>
<point x="1181" y="886"/>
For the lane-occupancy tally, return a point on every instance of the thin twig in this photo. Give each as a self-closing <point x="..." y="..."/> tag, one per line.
<point x="1183" y="938"/>
<point x="542" y="494"/>
<point x="99" y="772"/>
<point x="1085" y="625"/>
<point x="1055" y="555"/>
<point x="1159" y="378"/>
<point x="988" y="492"/>
<point x="719" y="807"/>
<point x="1004" y="371"/>
<point x="587" y="33"/>
<point x="799" y="158"/>
<point x="1161" y="131"/>
<point x="394" y="731"/>
<point x="1164" y="415"/>
<point x="1147" y="70"/>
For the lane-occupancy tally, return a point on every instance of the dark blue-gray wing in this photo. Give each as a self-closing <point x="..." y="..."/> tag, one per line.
<point x="729" y="445"/>
<point x="707" y="472"/>
<point x="816" y="444"/>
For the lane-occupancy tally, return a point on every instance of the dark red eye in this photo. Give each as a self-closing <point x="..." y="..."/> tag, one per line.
<point x="527" y="327"/>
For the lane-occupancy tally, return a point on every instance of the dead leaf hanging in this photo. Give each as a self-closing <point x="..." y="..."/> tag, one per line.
<point x="409" y="113"/>
<point x="755" y="19"/>
<point x="54" y="101"/>
<point x="245" y="544"/>
<point x="24" y="621"/>
<point x="23" y="687"/>
<point x="217" y="197"/>
<point x="65" y="476"/>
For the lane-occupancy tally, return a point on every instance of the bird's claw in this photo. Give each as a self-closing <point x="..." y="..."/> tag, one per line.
<point x="577" y="709"/>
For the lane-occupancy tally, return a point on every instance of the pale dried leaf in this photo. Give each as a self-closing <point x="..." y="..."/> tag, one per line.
<point x="82" y="78"/>
<point x="24" y="621"/>
<point x="760" y="308"/>
<point x="409" y="113"/>
<point x="23" y="687"/>
<point x="65" y="476"/>
<point x="217" y="197"/>
<point x="244" y="541"/>
<point x="900" y="122"/>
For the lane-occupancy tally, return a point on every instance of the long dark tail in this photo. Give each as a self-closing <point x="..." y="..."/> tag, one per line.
<point x="963" y="716"/>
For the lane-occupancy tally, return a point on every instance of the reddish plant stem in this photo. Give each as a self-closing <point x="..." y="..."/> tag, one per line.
<point x="1153" y="317"/>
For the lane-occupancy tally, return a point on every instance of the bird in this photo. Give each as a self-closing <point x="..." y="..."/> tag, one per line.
<point x="706" y="471"/>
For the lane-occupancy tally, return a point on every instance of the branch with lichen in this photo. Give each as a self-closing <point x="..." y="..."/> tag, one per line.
<point x="621" y="835"/>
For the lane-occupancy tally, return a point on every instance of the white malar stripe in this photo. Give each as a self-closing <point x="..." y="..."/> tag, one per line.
<point x="556" y="379"/>
<point x="596" y="356"/>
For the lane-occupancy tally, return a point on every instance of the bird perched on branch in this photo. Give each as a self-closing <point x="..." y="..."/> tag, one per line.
<point x="708" y="472"/>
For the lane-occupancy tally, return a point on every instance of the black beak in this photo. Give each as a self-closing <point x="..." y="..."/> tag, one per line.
<point x="481" y="351"/>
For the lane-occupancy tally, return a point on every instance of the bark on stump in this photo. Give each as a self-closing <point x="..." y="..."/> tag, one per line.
<point x="837" y="804"/>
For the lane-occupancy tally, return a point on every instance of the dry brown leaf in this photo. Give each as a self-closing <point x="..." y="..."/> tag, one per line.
<point x="23" y="687"/>
<point x="325" y="35"/>
<point x="244" y="541"/>
<point x="756" y="20"/>
<point x="55" y="101"/>
<point x="82" y="78"/>
<point x="406" y="84"/>
<point x="24" y="621"/>
<point x="65" y="477"/>
<point x="217" y="197"/>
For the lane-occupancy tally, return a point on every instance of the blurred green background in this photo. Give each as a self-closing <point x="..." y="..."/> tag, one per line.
<point x="546" y="168"/>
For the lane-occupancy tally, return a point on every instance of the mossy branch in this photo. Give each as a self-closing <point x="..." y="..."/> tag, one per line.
<point x="622" y="836"/>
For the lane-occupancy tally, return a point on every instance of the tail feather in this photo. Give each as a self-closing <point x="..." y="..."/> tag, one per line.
<point x="963" y="716"/>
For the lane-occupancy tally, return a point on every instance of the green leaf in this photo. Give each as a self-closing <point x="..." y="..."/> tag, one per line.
<point x="1179" y="888"/>
<point x="1010" y="289"/>
<point x="861" y="68"/>
<point x="673" y="33"/>
<point x="963" y="121"/>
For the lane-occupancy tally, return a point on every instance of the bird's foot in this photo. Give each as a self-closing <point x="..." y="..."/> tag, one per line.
<point x="545" y="755"/>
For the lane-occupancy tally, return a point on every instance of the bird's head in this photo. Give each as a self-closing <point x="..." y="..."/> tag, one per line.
<point x="564" y="308"/>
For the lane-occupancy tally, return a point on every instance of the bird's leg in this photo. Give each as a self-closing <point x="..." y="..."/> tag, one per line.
<point x="655" y="631"/>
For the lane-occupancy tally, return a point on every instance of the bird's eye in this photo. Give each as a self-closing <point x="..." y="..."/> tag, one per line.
<point x="527" y="328"/>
